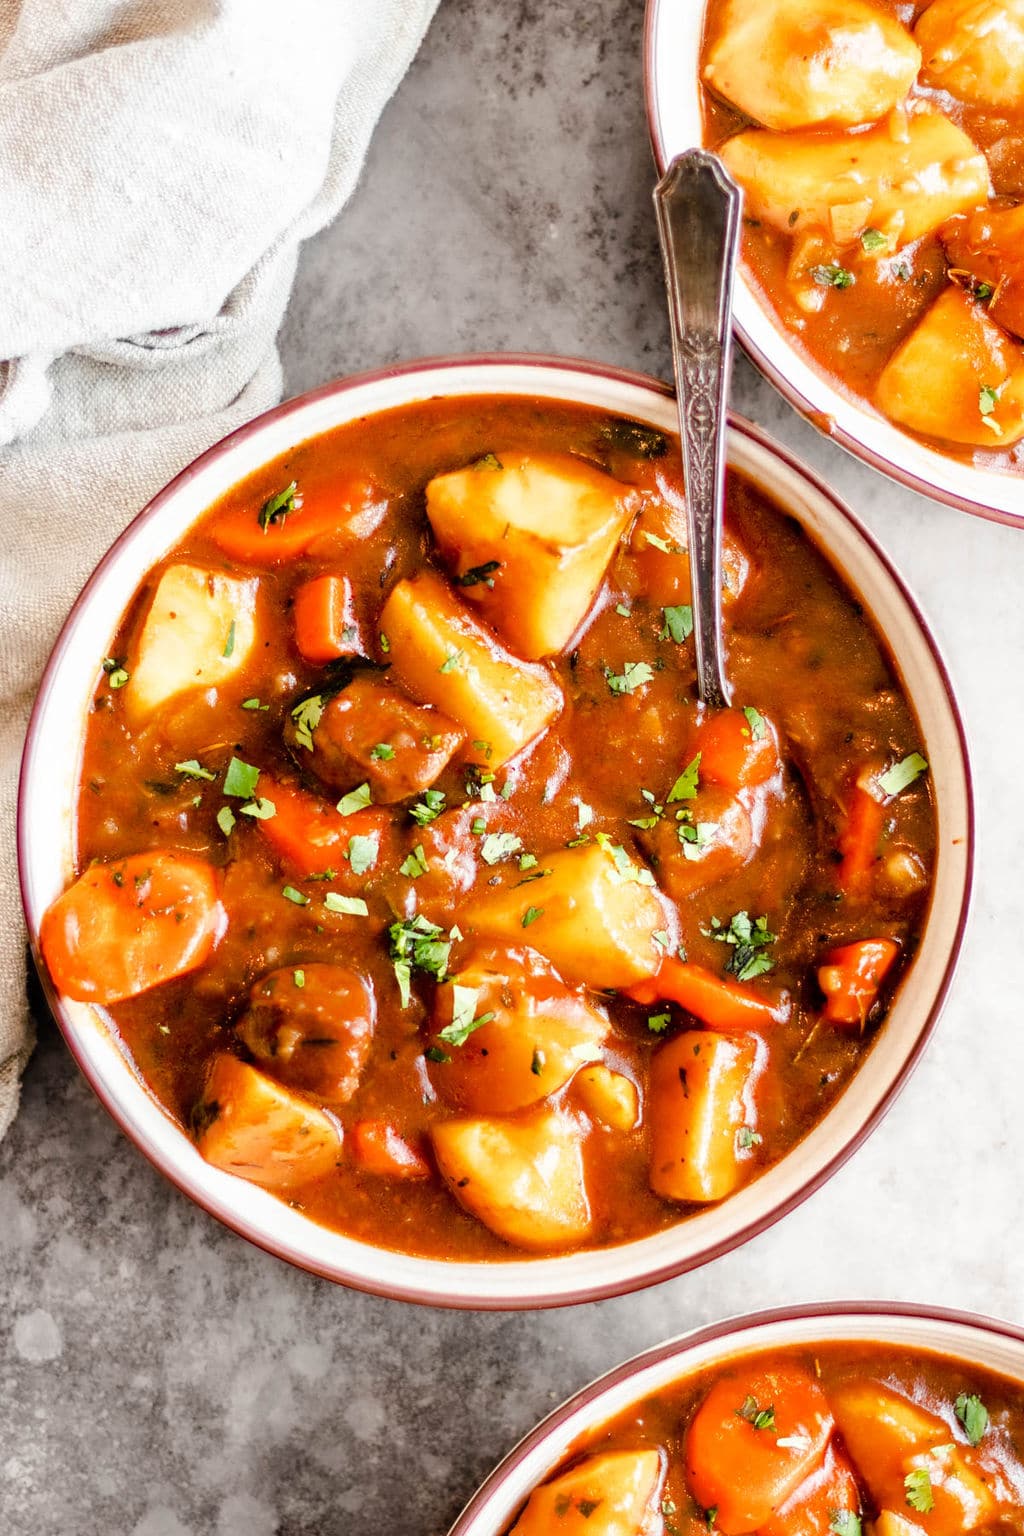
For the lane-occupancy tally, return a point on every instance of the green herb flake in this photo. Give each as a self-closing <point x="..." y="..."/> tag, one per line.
<point x="499" y="845"/>
<point x="429" y="808"/>
<point x="973" y="1415"/>
<point x="844" y="1522"/>
<point x="347" y="906"/>
<point x="362" y="853"/>
<point x="116" y="674"/>
<point x="756" y="723"/>
<point x="678" y="622"/>
<point x="902" y="774"/>
<point x="298" y="898"/>
<point x="685" y="787"/>
<point x="385" y="643"/>
<point x="988" y="398"/>
<point x="634" y="675"/>
<point x="710" y="1516"/>
<point x="983" y="292"/>
<point x="418" y="943"/>
<point x="226" y="820"/>
<point x="833" y="276"/>
<point x="382" y="753"/>
<point x="918" y="1486"/>
<point x="192" y="768"/>
<point x="452" y="661"/>
<point x="872" y="240"/>
<point x="487" y="461"/>
<point x="356" y="800"/>
<point x="531" y="915"/>
<point x="306" y="717"/>
<point x="750" y="942"/>
<point x="229" y="644"/>
<point x="415" y="865"/>
<point x="254" y="704"/>
<point x="434" y="1053"/>
<point x="464" y="1022"/>
<point x="299" y="978"/>
<point x="622" y="610"/>
<point x="757" y="1417"/>
<point x="241" y="779"/>
<point x="528" y="861"/>
<point x="259" y="809"/>
<point x="480" y="573"/>
<point x="277" y="508"/>
<point x="747" y="1138"/>
<point x="657" y="1023"/>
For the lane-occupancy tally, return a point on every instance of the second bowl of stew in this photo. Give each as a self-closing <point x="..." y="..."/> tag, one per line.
<point x="397" y="895"/>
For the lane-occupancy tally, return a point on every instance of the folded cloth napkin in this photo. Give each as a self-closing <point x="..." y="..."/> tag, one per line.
<point x="160" y="160"/>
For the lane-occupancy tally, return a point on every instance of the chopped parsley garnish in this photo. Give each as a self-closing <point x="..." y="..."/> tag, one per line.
<point x="527" y="861"/>
<point x="685" y="787"/>
<point x="983" y="291"/>
<point x="537" y="1062"/>
<point x="484" y="747"/>
<point x="633" y="676"/>
<point x="499" y="845"/>
<point x="259" y="809"/>
<point x="356" y="800"/>
<point x="622" y="610"/>
<point x="988" y="398"/>
<point x="747" y="1138"/>
<point x="663" y="544"/>
<point x="973" y="1415"/>
<point x="531" y="915"/>
<point x="749" y="940"/>
<point x="415" y="865"/>
<point x="253" y="704"/>
<point x="464" y="1022"/>
<point x="902" y="774"/>
<point x="918" y="1486"/>
<point x="306" y="717"/>
<point x="434" y="1053"/>
<point x="116" y="674"/>
<point x="710" y="1516"/>
<point x="299" y="978"/>
<point x="299" y="898"/>
<point x="487" y="461"/>
<point x="385" y="643"/>
<point x="872" y="240"/>
<point x="226" y="820"/>
<point x="362" y="853"/>
<point x="415" y="943"/>
<point x="678" y="622"/>
<point x="833" y="276"/>
<point x="276" y="508"/>
<point x="348" y="906"/>
<point x="755" y="720"/>
<point x="626" y="872"/>
<point x="693" y="836"/>
<point x="844" y="1522"/>
<point x="451" y="661"/>
<point x="229" y="644"/>
<point x="382" y="753"/>
<point x="241" y="779"/>
<point x="480" y="573"/>
<point x="429" y="808"/>
<point x="657" y="1022"/>
<point x="192" y="768"/>
<point x="759" y="1418"/>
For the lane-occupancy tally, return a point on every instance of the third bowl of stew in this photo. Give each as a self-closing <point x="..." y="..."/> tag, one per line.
<point x="880" y="147"/>
<point x="824" y="1421"/>
<point x="396" y="894"/>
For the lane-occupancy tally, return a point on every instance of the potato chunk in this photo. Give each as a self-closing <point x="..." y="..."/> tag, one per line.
<point x="957" y="377"/>
<point x="198" y="632"/>
<point x="975" y="49"/>
<point x="311" y="1026"/>
<point x="523" y="1178"/>
<point x="588" y="914"/>
<point x="250" y="1125"/>
<point x="612" y="1493"/>
<point x="798" y="63"/>
<point x="888" y="1437"/>
<point x="445" y="657"/>
<point x="608" y="1096"/>
<point x="699" y="1099"/>
<point x="541" y="1033"/>
<point x="988" y="244"/>
<point x="904" y="186"/>
<point x="530" y="540"/>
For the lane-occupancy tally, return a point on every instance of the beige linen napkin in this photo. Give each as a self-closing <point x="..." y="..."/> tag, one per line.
<point x="160" y="160"/>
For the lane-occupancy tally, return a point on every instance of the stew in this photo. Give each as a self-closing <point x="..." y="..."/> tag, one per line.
<point x="416" y="884"/>
<point x="833" y="1440"/>
<point x="880" y="145"/>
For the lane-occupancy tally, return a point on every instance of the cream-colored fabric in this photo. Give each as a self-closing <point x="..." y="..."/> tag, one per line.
<point x="160" y="160"/>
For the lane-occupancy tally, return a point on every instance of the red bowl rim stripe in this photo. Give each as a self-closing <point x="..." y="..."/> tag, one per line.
<point x="468" y="1302"/>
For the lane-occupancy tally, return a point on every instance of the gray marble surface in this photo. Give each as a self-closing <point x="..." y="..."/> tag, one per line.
<point x="158" y="1377"/>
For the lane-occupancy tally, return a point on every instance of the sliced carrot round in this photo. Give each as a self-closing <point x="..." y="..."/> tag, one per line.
<point x="738" y="748"/>
<point x="851" y="976"/>
<point x="379" y="1149"/>
<point x="290" y="522"/>
<point x="729" y="1006"/>
<point x="131" y="924"/>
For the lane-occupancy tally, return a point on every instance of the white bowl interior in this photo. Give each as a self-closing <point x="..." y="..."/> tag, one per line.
<point x="674" y="41"/>
<point x="51" y="769"/>
<point x="539" y="1454"/>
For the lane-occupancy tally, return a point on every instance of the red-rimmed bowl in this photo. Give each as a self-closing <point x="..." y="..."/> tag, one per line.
<point x="673" y="37"/>
<point x="966" y="1337"/>
<point x="46" y="835"/>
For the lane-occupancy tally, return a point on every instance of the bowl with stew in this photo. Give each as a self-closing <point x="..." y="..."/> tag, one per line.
<point x="838" y="1418"/>
<point x="398" y="898"/>
<point x="881" y="151"/>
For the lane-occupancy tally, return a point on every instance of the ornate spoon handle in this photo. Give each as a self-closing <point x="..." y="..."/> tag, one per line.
<point x="698" y="206"/>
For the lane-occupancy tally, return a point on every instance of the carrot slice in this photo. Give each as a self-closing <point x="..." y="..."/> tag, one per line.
<point x="726" y="1005"/>
<point x="309" y="835"/>
<point x="380" y="1149"/>
<point x="736" y="749"/>
<point x="286" y="525"/>
<point x="755" y="1438"/>
<point x="861" y="835"/>
<point x="830" y="1491"/>
<point x="131" y="924"/>
<point x="850" y="978"/>
<point x="325" y="626"/>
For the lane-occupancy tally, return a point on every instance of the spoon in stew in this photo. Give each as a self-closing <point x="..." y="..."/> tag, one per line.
<point x="698" y="207"/>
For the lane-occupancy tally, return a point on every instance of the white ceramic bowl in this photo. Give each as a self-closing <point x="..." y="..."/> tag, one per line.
<point x="976" y="1340"/>
<point x="50" y="770"/>
<point x="672" y="46"/>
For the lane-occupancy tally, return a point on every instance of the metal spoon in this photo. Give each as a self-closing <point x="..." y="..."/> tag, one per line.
<point x="698" y="206"/>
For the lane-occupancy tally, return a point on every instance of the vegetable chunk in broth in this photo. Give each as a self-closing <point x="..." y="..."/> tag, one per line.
<point x="880" y="145"/>
<point x="838" y="1440"/>
<point x="415" y="881"/>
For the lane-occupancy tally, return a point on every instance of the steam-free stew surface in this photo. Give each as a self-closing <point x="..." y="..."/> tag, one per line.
<point x="832" y="1440"/>
<point x="452" y="994"/>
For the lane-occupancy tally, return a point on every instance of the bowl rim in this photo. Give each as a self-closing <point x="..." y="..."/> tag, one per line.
<point x="379" y="1285"/>
<point x="774" y="371"/>
<point x="680" y="1345"/>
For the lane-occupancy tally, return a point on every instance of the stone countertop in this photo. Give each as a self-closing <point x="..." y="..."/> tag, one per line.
<point x="160" y="1377"/>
